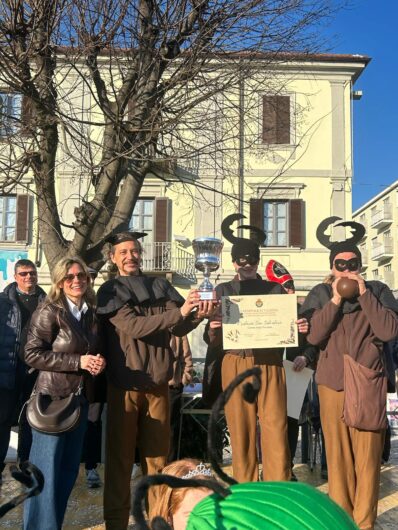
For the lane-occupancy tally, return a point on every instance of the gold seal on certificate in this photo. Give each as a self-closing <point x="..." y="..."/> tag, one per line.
<point x="259" y="321"/>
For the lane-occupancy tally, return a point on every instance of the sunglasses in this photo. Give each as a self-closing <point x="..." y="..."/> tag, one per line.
<point x="25" y="273"/>
<point x="251" y="260"/>
<point x="342" y="265"/>
<point x="80" y="276"/>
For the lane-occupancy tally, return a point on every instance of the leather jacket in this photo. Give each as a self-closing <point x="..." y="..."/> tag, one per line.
<point x="56" y="341"/>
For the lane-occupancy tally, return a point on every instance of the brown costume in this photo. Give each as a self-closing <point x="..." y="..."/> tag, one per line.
<point x="270" y="406"/>
<point x="357" y="328"/>
<point x="138" y="315"/>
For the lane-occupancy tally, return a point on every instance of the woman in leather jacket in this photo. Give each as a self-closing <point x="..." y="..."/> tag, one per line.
<point x="63" y="345"/>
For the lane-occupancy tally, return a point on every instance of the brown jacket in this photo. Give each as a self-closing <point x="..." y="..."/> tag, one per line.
<point x="56" y="340"/>
<point x="182" y="364"/>
<point x="359" y="333"/>
<point x="137" y="343"/>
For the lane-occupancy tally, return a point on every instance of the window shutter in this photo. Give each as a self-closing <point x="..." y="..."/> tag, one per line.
<point x="269" y="120"/>
<point x="256" y="214"/>
<point x="162" y="219"/>
<point x="296" y="223"/>
<point x="22" y="219"/>
<point x="276" y="119"/>
<point x="282" y="119"/>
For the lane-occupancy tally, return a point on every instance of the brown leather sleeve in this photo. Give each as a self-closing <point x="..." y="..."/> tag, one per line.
<point x="383" y="321"/>
<point x="38" y="349"/>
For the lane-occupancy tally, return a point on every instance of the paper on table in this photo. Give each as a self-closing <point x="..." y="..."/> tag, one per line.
<point x="297" y="384"/>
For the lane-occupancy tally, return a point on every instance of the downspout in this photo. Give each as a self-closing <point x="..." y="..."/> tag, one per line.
<point x="241" y="160"/>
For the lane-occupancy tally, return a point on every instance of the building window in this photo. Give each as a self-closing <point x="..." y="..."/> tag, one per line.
<point x="8" y="217"/>
<point x="375" y="273"/>
<point x="387" y="268"/>
<point x="142" y="218"/>
<point x="10" y="113"/>
<point x="276" y="120"/>
<point x="283" y="221"/>
<point x="275" y="223"/>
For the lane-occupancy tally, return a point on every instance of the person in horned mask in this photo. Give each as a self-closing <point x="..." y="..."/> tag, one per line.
<point x="270" y="404"/>
<point x="350" y="333"/>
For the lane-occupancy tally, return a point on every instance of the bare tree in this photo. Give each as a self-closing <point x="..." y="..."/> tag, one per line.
<point x="119" y="89"/>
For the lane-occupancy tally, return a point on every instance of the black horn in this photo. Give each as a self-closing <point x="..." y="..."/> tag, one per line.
<point x="226" y="229"/>
<point x="320" y="231"/>
<point x="358" y="231"/>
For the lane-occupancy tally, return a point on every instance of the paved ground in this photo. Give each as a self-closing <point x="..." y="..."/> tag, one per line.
<point x="85" y="507"/>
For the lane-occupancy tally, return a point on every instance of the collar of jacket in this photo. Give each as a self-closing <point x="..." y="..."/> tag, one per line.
<point x="136" y="290"/>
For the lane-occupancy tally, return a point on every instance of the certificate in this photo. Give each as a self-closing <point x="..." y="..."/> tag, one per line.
<point x="259" y="321"/>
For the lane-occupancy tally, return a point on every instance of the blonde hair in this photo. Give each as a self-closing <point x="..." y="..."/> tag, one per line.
<point x="56" y="294"/>
<point x="329" y="279"/>
<point x="168" y="500"/>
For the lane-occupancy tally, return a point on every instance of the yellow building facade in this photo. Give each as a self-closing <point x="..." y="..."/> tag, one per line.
<point x="288" y="168"/>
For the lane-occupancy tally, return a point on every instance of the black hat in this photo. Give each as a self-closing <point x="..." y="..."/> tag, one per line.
<point x="241" y="246"/>
<point x="337" y="247"/>
<point x="121" y="237"/>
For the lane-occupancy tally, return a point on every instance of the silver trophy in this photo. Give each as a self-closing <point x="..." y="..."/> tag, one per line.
<point x="207" y="260"/>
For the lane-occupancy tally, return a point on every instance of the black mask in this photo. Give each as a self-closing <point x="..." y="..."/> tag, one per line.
<point x="244" y="260"/>
<point x="342" y="265"/>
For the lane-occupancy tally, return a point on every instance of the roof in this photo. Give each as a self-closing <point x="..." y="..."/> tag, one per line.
<point x="375" y="198"/>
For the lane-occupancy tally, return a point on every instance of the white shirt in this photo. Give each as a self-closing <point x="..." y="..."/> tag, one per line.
<point x="76" y="312"/>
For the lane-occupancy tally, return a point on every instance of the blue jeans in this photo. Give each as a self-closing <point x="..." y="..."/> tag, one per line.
<point x="58" y="457"/>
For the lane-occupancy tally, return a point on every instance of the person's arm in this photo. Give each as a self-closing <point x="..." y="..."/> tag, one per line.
<point x="323" y="322"/>
<point x="383" y="321"/>
<point x="38" y="349"/>
<point x="188" y="363"/>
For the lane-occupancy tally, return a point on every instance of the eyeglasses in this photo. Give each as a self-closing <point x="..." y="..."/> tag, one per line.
<point x="342" y="265"/>
<point x="25" y="273"/>
<point x="243" y="260"/>
<point x="82" y="276"/>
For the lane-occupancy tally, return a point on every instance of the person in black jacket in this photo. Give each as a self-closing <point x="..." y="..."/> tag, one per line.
<point x="17" y="303"/>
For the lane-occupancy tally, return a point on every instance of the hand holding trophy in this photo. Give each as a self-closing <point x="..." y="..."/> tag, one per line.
<point x="207" y="260"/>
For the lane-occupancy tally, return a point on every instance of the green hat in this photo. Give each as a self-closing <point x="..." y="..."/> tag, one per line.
<point x="270" y="506"/>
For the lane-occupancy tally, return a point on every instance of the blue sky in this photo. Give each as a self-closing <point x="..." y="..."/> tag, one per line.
<point x="370" y="27"/>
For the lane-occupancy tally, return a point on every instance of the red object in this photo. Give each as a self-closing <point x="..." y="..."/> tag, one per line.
<point x="276" y="272"/>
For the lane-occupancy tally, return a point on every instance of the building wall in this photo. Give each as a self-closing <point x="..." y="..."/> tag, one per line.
<point x="379" y="247"/>
<point x="314" y="167"/>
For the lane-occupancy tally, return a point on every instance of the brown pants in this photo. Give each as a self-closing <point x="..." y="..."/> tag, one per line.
<point x="270" y="408"/>
<point x="134" y="419"/>
<point x="354" y="459"/>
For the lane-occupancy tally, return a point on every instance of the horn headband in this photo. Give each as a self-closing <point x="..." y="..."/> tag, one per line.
<point x="241" y="246"/>
<point x="347" y="245"/>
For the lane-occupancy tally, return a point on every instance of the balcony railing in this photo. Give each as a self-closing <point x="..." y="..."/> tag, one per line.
<point x="365" y="257"/>
<point x="168" y="257"/>
<point x="382" y="217"/>
<point x="382" y="250"/>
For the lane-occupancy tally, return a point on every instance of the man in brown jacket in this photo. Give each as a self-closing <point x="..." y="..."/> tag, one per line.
<point x="356" y="327"/>
<point x="138" y="315"/>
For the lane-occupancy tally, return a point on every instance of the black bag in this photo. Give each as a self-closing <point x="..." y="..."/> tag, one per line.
<point x="54" y="415"/>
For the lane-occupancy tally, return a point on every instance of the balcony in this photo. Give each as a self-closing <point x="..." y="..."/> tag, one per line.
<point x="168" y="257"/>
<point x="382" y="251"/>
<point x="389" y="279"/>
<point x="382" y="217"/>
